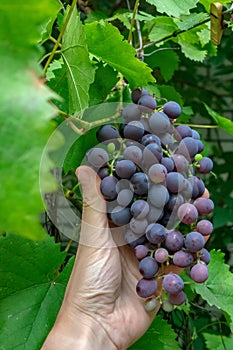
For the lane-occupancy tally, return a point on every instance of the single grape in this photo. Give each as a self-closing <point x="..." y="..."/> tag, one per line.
<point x="205" y="227"/>
<point x="172" y="109"/>
<point x="124" y="197"/>
<point x="131" y="112"/>
<point x="198" y="187"/>
<point x="167" y="140"/>
<point x="177" y="299"/>
<point x="161" y="255"/>
<point x="138" y="226"/>
<point x="148" y="267"/>
<point x="187" y="213"/>
<point x="174" y="240"/>
<point x="188" y="147"/>
<point x="136" y="94"/>
<point x="133" y="153"/>
<point x="108" y="187"/>
<point x="204" y="256"/>
<point x="204" y="205"/>
<point x="174" y="202"/>
<point x="151" y="304"/>
<point x="157" y="173"/>
<point x="182" y="258"/>
<point x="175" y="182"/>
<point x="159" y="123"/>
<point x="106" y="133"/>
<point x="158" y="195"/>
<point x="166" y="306"/>
<point x="180" y="162"/>
<point x="140" y="209"/>
<point x="103" y="172"/>
<point x="173" y="283"/>
<point x="150" y="138"/>
<point x="139" y="182"/>
<point x="182" y="131"/>
<point x="195" y="135"/>
<point x="168" y="163"/>
<point x="141" y="251"/>
<point x="133" y="130"/>
<point x="152" y="154"/>
<point x="156" y="233"/>
<point x="199" y="273"/>
<point x="145" y="288"/>
<point x="97" y="157"/>
<point x="194" y="241"/>
<point x="147" y="101"/>
<point x="125" y="168"/>
<point x="120" y="216"/>
<point x="205" y="165"/>
<point x="200" y="145"/>
<point x="198" y="157"/>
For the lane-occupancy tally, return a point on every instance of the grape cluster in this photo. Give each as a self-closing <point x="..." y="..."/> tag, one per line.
<point x="150" y="174"/>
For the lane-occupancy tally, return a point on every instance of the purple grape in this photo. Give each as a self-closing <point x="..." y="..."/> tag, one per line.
<point x="174" y="202"/>
<point x="168" y="163"/>
<point x="133" y="240"/>
<point x="138" y="226"/>
<point x="182" y="258"/>
<point x="97" y="157"/>
<point x="204" y="205"/>
<point x="103" y="172"/>
<point x="156" y="233"/>
<point x="106" y="133"/>
<point x="198" y="187"/>
<point x="175" y="182"/>
<point x="150" y="138"/>
<point x="125" y="168"/>
<point x="195" y="135"/>
<point x="174" y="240"/>
<point x="188" y="147"/>
<point x="182" y="131"/>
<point x="148" y="267"/>
<point x="133" y="130"/>
<point x="205" y="227"/>
<point x="108" y="187"/>
<point x="120" y="216"/>
<point x="124" y="197"/>
<point x="161" y="255"/>
<point x="145" y="288"/>
<point x="205" y="165"/>
<point x="173" y="283"/>
<point x="133" y="153"/>
<point x="205" y="256"/>
<point x="157" y="173"/>
<point x="136" y="94"/>
<point x="177" y="299"/>
<point x="194" y="241"/>
<point x="140" y="183"/>
<point x="172" y="109"/>
<point x="180" y="162"/>
<point x="200" y="145"/>
<point x="199" y="273"/>
<point x="154" y="214"/>
<point x="158" y="195"/>
<point x="187" y="213"/>
<point x="147" y="101"/>
<point x="167" y="140"/>
<point x="123" y="184"/>
<point x="152" y="154"/>
<point x="159" y="123"/>
<point x="141" y="251"/>
<point x="131" y="112"/>
<point x="140" y="209"/>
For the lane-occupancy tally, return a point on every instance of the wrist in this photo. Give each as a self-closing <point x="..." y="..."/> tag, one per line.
<point x="87" y="334"/>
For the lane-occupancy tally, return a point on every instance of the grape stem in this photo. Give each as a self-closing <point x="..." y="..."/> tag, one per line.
<point x="132" y="21"/>
<point x="201" y="126"/>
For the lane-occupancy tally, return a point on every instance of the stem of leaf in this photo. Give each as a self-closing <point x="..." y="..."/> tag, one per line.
<point x="132" y="22"/>
<point x="60" y="35"/>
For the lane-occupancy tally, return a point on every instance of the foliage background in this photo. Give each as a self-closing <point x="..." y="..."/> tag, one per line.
<point x="94" y="65"/>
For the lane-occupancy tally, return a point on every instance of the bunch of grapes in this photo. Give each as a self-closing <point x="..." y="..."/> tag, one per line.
<point x="150" y="178"/>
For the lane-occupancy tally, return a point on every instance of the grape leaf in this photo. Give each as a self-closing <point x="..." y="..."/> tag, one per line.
<point x="206" y="3"/>
<point x="105" y="41"/>
<point x="25" y="116"/>
<point x="217" y="290"/>
<point x="79" y="70"/>
<point x="170" y="93"/>
<point x="222" y="122"/>
<point x="217" y="342"/>
<point x="164" y="26"/>
<point x="166" y="60"/>
<point x="190" y="46"/>
<point x="186" y="21"/>
<point x="173" y="7"/>
<point x="32" y="290"/>
<point x="160" y="336"/>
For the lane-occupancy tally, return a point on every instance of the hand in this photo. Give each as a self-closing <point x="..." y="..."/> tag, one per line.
<point x="100" y="306"/>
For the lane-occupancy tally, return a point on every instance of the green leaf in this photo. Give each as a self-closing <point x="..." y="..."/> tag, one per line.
<point x="169" y="93"/>
<point x="206" y="3"/>
<point x="163" y="27"/>
<point x="222" y="122"/>
<point x="173" y="7"/>
<point x="217" y="290"/>
<point x="160" y="336"/>
<point x="105" y="42"/>
<point x="79" y="70"/>
<point x="188" y="21"/>
<point x="166" y="60"/>
<point x="190" y="46"/>
<point x="32" y="290"/>
<point x="105" y="80"/>
<point x="217" y="342"/>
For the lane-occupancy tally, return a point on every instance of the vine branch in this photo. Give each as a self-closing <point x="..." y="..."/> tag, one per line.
<point x="132" y="21"/>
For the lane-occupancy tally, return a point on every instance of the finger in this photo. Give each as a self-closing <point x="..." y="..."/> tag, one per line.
<point x="95" y="231"/>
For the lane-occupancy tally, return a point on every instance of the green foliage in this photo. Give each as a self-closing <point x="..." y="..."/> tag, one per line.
<point x="216" y="342"/>
<point x="217" y="290"/>
<point x="32" y="290"/>
<point x="222" y="122"/>
<point x="174" y="7"/>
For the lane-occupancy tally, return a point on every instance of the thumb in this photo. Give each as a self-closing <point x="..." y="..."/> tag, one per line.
<point x="95" y="231"/>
